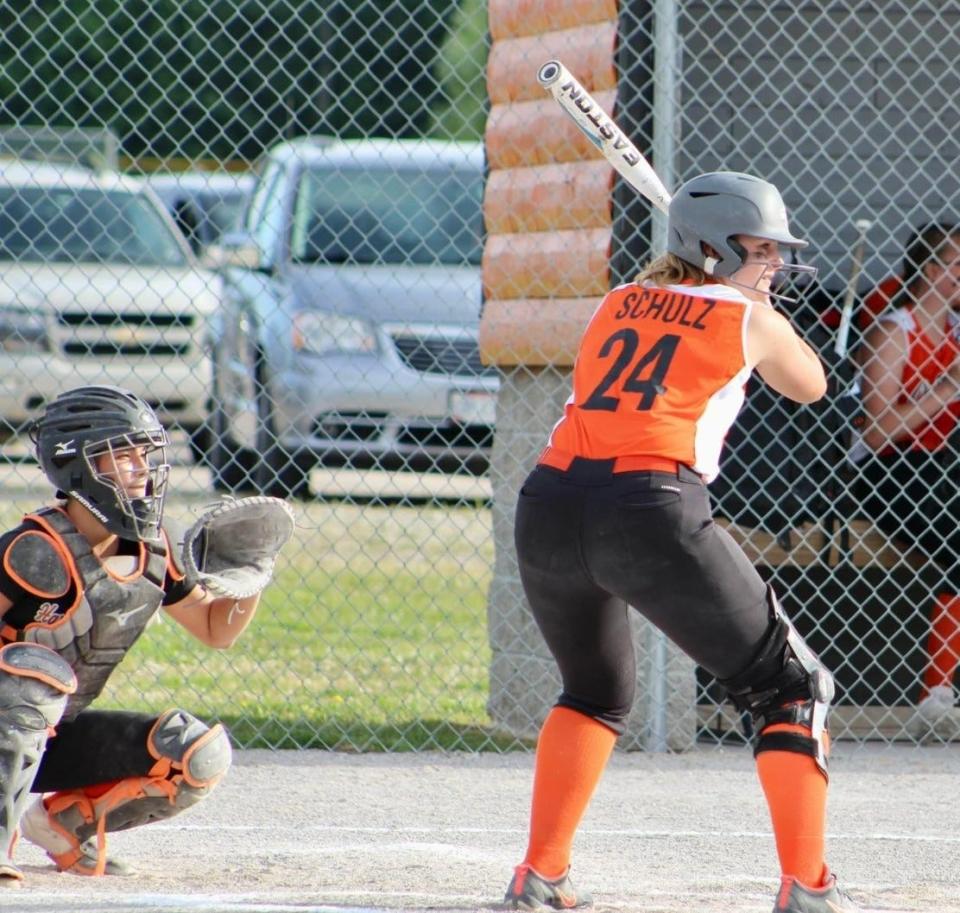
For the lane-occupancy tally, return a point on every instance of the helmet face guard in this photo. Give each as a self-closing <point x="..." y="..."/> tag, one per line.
<point x="105" y="447"/>
<point x="793" y="277"/>
<point x="141" y="513"/>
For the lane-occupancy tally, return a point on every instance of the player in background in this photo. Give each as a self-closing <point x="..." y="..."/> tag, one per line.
<point x="616" y="514"/>
<point x="910" y="482"/>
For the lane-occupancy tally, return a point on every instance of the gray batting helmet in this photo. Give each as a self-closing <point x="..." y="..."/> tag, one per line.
<point x="713" y="208"/>
<point x="85" y="422"/>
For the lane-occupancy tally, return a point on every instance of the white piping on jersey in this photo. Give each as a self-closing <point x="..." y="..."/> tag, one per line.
<point x="714" y="423"/>
<point x="903" y="317"/>
<point x="900" y="317"/>
<point x="717" y="290"/>
<point x="722" y="407"/>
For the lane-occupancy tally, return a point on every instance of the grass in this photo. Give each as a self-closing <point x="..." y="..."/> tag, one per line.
<point x="372" y="637"/>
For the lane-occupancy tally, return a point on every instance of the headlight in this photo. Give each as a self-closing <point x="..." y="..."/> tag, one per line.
<point x="23" y="331"/>
<point x="322" y="333"/>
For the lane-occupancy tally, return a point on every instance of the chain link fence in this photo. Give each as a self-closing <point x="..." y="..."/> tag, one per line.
<point x="269" y="220"/>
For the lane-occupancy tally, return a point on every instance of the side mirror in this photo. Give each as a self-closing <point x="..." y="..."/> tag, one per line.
<point x="236" y="248"/>
<point x="213" y="257"/>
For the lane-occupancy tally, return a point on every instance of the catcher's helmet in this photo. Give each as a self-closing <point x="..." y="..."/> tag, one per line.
<point x="713" y="208"/>
<point x="84" y="423"/>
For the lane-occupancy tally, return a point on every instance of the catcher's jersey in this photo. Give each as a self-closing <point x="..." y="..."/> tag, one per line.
<point x="32" y="608"/>
<point x="925" y="365"/>
<point x="87" y="609"/>
<point x="660" y="372"/>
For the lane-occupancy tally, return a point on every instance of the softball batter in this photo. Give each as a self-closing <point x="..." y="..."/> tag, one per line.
<point x="616" y="514"/>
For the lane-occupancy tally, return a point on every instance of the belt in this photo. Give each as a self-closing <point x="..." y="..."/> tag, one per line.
<point x="560" y="459"/>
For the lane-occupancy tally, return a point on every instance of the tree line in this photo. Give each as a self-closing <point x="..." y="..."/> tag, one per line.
<point x="226" y="79"/>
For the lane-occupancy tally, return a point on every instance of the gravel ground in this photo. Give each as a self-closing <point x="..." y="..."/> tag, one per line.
<point x="322" y="831"/>
<point x="340" y="833"/>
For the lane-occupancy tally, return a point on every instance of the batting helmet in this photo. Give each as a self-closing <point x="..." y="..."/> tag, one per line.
<point x="713" y="208"/>
<point x="84" y="423"/>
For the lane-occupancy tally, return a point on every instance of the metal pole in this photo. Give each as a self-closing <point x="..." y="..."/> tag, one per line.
<point x="665" y="103"/>
<point x="666" y="67"/>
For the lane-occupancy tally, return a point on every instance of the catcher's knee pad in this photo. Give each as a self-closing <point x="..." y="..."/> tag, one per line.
<point x="785" y="683"/>
<point x="189" y="751"/>
<point x="190" y="759"/>
<point x="34" y="685"/>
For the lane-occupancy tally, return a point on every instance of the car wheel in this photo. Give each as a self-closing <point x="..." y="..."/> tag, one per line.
<point x="278" y="473"/>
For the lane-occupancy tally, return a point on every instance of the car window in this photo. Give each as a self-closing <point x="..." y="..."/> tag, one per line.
<point x="264" y="219"/>
<point x="84" y="225"/>
<point x="392" y="216"/>
<point x="259" y="196"/>
<point x="224" y="211"/>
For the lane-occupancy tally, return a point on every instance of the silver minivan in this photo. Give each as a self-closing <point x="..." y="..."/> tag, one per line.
<point x="349" y="335"/>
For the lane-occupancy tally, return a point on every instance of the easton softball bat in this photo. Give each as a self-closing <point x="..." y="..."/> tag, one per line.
<point x="617" y="149"/>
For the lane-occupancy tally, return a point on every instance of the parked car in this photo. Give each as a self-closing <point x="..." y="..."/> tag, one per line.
<point x="349" y="335"/>
<point x="98" y="286"/>
<point x="205" y="205"/>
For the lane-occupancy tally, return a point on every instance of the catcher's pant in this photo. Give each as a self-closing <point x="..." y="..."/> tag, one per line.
<point x="100" y="746"/>
<point x="97" y="746"/>
<point x="591" y="542"/>
<point x="109" y="771"/>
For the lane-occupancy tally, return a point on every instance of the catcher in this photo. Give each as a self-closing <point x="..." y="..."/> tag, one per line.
<point x="79" y="583"/>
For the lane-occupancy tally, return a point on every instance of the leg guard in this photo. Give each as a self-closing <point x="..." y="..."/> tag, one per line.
<point x="191" y="759"/>
<point x="785" y="683"/>
<point x="34" y="685"/>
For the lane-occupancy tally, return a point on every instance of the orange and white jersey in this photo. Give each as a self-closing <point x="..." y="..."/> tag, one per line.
<point x="660" y="372"/>
<point x="924" y="366"/>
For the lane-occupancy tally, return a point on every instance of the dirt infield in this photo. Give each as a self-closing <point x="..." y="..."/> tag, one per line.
<point x="320" y="831"/>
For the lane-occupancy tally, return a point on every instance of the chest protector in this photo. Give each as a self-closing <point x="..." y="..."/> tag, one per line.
<point x="107" y="615"/>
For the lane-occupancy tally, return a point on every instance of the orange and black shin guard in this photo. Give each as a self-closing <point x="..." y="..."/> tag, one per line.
<point x="572" y="752"/>
<point x="65" y="821"/>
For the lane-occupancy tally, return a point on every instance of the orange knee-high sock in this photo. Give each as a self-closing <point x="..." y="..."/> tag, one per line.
<point x="572" y="752"/>
<point x="91" y="792"/>
<point x="796" y="792"/>
<point x="943" y="645"/>
<point x="99" y="789"/>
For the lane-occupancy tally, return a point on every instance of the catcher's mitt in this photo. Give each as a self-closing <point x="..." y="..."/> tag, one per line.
<point x="232" y="548"/>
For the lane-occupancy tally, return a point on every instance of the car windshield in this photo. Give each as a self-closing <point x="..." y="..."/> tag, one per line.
<point x="84" y="225"/>
<point x="389" y="216"/>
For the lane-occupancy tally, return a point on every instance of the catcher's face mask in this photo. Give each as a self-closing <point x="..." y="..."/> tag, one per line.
<point x="128" y="474"/>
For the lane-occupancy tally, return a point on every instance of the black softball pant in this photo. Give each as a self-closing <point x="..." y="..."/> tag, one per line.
<point x="590" y="543"/>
